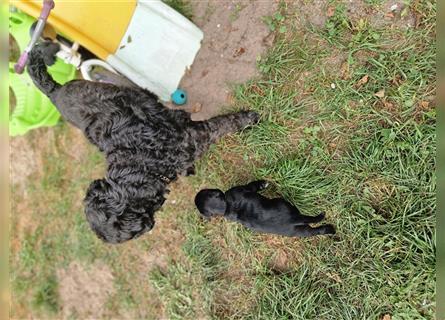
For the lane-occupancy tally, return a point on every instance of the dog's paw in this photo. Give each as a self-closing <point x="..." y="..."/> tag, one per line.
<point x="190" y="171"/>
<point x="263" y="184"/>
<point x="49" y="50"/>
<point x="329" y="229"/>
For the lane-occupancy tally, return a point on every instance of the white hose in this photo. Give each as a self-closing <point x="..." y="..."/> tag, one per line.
<point x="87" y="65"/>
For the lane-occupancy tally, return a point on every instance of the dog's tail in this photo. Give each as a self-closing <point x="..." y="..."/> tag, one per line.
<point x="41" y="55"/>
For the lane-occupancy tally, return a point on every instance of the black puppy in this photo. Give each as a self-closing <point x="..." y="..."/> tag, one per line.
<point x="243" y="204"/>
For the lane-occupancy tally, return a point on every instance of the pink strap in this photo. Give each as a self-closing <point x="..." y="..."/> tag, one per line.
<point x="48" y="5"/>
<point x="20" y="65"/>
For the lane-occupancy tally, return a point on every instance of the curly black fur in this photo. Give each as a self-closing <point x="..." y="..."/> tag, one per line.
<point x="145" y="144"/>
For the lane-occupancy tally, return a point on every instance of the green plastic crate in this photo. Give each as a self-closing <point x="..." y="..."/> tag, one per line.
<point x="33" y="109"/>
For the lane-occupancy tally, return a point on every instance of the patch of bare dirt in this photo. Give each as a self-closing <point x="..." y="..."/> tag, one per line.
<point x="22" y="161"/>
<point x="234" y="36"/>
<point x="43" y="142"/>
<point x="167" y="236"/>
<point x="28" y="153"/>
<point x="168" y="241"/>
<point x="75" y="144"/>
<point x="84" y="290"/>
<point x="22" y="223"/>
<point x="25" y="162"/>
<point x="309" y="12"/>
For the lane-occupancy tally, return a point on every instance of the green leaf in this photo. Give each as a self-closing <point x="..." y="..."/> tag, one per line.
<point x="279" y="16"/>
<point x="283" y="29"/>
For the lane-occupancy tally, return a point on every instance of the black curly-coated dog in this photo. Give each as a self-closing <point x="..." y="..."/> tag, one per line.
<point x="145" y="144"/>
<point x="245" y="205"/>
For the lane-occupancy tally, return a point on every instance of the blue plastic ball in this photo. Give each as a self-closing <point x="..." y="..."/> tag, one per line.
<point x="179" y="97"/>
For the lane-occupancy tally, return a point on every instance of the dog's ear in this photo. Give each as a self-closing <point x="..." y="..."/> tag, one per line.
<point x="134" y="221"/>
<point x="99" y="209"/>
<point x="115" y="216"/>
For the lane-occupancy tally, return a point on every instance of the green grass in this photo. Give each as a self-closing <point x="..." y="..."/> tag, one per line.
<point x="326" y="142"/>
<point x="45" y="296"/>
<point x="183" y="7"/>
<point x="368" y="161"/>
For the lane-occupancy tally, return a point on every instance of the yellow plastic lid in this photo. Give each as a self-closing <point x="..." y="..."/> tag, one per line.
<point x="97" y="25"/>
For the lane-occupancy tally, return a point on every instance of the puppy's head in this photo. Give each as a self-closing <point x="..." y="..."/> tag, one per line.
<point x="211" y="202"/>
<point x="114" y="215"/>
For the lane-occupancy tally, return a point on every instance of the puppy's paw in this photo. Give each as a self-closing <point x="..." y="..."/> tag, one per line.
<point x="329" y="229"/>
<point x="205" y="218"/>
<point x="253" y="116"/>
<point x="321" y="216"/>
<point x="248" y="117"/>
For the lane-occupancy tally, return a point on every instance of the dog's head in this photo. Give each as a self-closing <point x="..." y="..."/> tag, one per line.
<point x="211" y="202"/>
<point x="116" y="215"/>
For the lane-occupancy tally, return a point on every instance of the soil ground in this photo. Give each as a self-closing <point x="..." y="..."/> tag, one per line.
<point x="235" y="35"/>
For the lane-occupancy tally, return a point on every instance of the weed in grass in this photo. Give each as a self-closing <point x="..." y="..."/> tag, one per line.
<point x="45" y="295"/>
<point x="275" y="22"/>
<point x="374" y="2"/>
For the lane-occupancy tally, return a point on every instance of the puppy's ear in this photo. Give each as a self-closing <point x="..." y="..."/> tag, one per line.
<point x="210" y="202"/>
